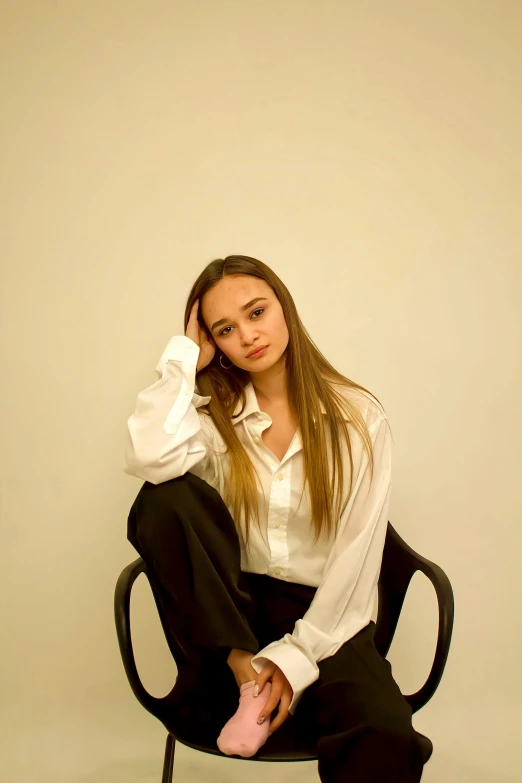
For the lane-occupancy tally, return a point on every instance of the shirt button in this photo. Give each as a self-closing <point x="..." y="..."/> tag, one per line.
<point x="256" y="439"/>
<point x="277" y="571"/>
<point x="277" y="524"/>
<point x="279" y="477"/>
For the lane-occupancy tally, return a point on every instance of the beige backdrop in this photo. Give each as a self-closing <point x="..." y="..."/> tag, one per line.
<point x="370" y="153"/>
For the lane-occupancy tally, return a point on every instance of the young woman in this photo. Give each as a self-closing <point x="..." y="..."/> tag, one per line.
<point x="262" y="519"/>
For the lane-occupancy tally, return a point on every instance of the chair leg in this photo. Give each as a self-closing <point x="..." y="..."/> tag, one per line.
<point x="168" y="764"/>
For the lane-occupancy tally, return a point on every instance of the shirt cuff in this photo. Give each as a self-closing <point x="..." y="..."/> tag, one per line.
<point x="183" y="350"/>
<point x="297" y="668"/>
<point x="180" y="348"/>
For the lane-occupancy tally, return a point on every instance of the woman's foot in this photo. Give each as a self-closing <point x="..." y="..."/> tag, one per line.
<point x="242" y="735"/>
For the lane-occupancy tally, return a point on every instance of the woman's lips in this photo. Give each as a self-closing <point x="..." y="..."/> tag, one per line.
<point x="258" y="353"/>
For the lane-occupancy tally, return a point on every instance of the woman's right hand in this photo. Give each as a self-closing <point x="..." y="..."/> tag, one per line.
<point x="207" y="347"/>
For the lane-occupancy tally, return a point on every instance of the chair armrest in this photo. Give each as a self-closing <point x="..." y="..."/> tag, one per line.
<point x="446" y="605"/>
<point x="122" y="596"/>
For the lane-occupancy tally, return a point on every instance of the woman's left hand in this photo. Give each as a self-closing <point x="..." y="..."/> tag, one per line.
<point x="281" y="693"/>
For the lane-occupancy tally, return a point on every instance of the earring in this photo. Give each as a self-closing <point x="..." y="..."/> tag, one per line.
<point x="223" y="366"/>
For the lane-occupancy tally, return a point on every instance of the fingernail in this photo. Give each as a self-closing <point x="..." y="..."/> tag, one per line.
<point x="256" y="690"/>
<point x="260" y="721"/>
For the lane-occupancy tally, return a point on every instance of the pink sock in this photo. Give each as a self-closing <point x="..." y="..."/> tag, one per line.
<point x="241" y="735"/>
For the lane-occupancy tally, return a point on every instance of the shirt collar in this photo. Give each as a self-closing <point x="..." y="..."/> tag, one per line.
<point x="252" y="405"/>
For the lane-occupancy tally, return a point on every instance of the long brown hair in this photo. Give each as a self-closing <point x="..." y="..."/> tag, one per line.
<point x="311" y="381"/>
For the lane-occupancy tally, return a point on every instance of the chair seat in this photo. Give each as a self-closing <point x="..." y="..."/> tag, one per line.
<point x="271" y="753"/>
<point x="274" y="751"/>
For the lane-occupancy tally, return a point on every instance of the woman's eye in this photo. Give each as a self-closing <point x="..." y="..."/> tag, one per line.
<point x="223" y="332"/>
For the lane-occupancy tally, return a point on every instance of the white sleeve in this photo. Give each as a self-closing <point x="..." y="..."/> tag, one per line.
<point x="343" y="603"/>
<point x="165" y="435"/>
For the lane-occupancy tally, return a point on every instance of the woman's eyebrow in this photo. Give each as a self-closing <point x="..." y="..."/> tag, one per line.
<point x="244" y="307"/>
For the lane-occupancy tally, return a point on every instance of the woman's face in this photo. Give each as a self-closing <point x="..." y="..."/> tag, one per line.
<point x="237" y="331"/>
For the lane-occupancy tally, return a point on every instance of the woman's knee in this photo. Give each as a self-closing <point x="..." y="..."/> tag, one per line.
<point x="375" y="749"/>
<point x="377" y="730"/>
<point x="154" y="511"/>
<point x="176" y="493"/>
<point x="162" y="497"/>
<point x="390" y="733"/>
<point x="185" y="502"/>
<point x="343" y="705"/>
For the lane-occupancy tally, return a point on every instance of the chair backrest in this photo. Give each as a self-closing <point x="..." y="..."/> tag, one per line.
<point x="399" y="563"/>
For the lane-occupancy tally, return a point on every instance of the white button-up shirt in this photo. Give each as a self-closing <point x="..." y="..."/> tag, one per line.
<point x="167" y="437"/>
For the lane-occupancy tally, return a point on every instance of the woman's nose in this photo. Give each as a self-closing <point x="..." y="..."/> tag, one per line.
<point x="248" y="337"/>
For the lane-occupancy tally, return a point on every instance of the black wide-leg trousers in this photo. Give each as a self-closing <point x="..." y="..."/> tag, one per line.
<point x="355" y="712"/>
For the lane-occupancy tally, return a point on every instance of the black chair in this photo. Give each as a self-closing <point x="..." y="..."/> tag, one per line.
<point x="399" y="564"/>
